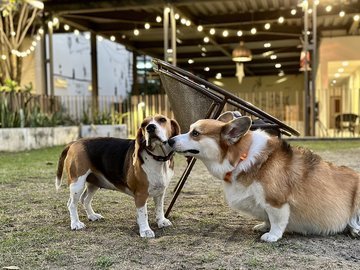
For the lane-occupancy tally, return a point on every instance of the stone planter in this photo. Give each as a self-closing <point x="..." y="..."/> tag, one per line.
<point x="20" y="139"/>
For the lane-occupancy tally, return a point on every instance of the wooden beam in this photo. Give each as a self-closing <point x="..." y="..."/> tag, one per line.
<point x="94" y="77"/>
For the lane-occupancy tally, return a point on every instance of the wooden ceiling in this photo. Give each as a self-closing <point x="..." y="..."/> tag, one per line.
<point x="120" y="18"/>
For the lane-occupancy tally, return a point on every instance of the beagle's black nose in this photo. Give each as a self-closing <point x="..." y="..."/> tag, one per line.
<point x="171" y="142"/>
<point x="151" y="128"/>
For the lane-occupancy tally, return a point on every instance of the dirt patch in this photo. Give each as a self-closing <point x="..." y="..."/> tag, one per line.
<point x="207" y="234"/>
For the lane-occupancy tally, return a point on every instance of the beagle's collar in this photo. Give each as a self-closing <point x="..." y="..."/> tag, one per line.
<point x="160" y="158"/>
<point x="228" y="175"/>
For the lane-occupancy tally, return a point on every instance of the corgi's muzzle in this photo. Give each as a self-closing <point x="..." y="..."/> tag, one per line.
<point x="178" y="147"/>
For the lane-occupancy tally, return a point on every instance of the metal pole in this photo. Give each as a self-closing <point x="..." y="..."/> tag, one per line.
<point x="306" y="75"/>
<point x="173" y="36"/>
<point x="166" y="32"/>
<point x="314" y="69"/>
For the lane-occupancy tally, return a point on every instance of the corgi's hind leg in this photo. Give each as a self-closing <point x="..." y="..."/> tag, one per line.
<point x="354" y="225"/>
<point x="76" y="190"/>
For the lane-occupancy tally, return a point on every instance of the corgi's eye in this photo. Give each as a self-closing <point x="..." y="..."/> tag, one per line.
<point x="162" y="120"/>
<point x="194" y="133"/>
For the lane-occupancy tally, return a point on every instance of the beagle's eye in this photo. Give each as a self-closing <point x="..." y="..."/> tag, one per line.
<point x="162" y="120"/>
<point x="194" y="133"/>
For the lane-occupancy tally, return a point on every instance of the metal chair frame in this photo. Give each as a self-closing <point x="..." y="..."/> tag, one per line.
<point x="220" y="98"/>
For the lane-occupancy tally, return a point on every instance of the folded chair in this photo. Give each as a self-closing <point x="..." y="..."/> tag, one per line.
<point x="192" y="98"/>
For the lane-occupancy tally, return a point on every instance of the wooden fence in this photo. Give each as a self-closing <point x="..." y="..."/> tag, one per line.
<point x="131" y="111"/>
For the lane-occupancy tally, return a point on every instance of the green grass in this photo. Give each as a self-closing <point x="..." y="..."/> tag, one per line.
<point x="332" y="145"/>
<point x="35" y="231"/>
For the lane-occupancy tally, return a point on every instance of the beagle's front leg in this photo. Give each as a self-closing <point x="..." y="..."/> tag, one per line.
<point x="159" y="212"/>
<point x="142" y="216"/>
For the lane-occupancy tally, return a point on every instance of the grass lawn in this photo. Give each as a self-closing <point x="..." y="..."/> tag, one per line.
<point x="35" y="228"/>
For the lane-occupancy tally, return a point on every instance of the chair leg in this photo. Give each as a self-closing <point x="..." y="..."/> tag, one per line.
<point x="180" y="185"/>
<point x="177" y="184"/>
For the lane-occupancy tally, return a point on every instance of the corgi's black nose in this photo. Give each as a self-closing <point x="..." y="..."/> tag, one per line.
<point x="151" y="128"/>
<point x="171" y="142"/>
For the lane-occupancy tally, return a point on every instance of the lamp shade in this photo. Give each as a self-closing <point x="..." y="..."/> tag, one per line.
<point x="241" y="53"/>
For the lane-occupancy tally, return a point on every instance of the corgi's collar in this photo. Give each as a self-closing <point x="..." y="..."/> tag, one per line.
<point x="228" y="175"/>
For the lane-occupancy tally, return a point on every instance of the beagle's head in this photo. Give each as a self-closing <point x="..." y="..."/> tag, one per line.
<point x="155" y="130"/>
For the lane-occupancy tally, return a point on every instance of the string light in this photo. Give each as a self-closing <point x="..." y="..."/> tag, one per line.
<point x="206" y="69"/>
<point x="66" y="27"/>
<point x="147" y="26"/>
<point x="41" y="31"/>
<point x="34" y="43"/>
<point x="356" y="18"/>
<point x="278" y="65"/>
<point x="87" y="36"/>
<point x="38" y="38"/>
<point x="273" y="57"/>
<point x="239" y="33"/>
<point x="183" y="21"/>
<point x="158" y="19"/>
<point x="203" y="49"/>
<point x="341" y="70"/>
<point x="136" y="32"/>
<point x="76" y="32"/>
<point x="281" y="19"/>
<point x="177" y="16"/>
<point x="13" y="33"/>
<point x="191" y="61"/>
<point x="267" y="26"/>
<point x="310" y="10"/>
<point x="328" y="8"/>
<point x="3" y="57"/>
<point x="55" y="21"/>
<point x="267" y="45"/>
<point x="253" y="31"/>
<point x="225" y="33"/>
<point x="212" y="31"/>
<point x="218" y="76"/>
<point x="167" y="10"/>
<point x="342" y="13"/>
<point x="206" y="39"/>
<point x="200" y="28"/>
<point x="188" y="23"/>
<point x="112" y="38"/>
<point x="203" y="54"/>
<point x="99" y="38"/>
<point x="293" y="11"/>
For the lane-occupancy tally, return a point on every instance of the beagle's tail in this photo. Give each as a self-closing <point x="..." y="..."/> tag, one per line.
<point x="60" y="167"/>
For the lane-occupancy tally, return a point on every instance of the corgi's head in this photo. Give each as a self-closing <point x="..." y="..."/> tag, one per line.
<point x="210" y="139"/>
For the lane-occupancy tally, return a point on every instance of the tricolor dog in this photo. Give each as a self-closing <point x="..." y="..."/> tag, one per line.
<point x="288" y="188"/>
<point x="141" y="168"/>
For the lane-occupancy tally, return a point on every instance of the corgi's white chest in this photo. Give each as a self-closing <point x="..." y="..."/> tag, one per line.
<point x="249" y="200"/>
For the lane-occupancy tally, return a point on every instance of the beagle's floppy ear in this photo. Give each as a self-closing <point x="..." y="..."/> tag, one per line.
<point x="138" y="141"/>
<point x="228" y="116"/>
<point x="235" y="129"/>
<point x="175" y="128"/>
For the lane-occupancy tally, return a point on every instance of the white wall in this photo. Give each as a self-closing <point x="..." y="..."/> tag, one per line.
<point x="72" y="66"/>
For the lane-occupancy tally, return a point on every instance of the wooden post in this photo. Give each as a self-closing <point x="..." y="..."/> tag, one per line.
<point x="94" y="77"/>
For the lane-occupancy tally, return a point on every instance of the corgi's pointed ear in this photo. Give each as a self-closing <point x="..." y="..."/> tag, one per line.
<point x="228" y="116"/>
<point x="138" y="141"/>
<point x="235" y="129"/>
<point x="175" y="128"/>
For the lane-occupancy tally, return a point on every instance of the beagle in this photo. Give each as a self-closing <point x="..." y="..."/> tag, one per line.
<point x="141" y="168"/>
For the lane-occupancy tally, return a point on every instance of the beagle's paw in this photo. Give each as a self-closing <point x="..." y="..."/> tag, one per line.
<point x="162" y="223"/>
<point x="147" y="233"/>
<point x="77" y="225"/>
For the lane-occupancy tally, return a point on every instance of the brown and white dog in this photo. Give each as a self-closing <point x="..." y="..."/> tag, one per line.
<point x="141" y="168"/>
<point x="290" y="189"/>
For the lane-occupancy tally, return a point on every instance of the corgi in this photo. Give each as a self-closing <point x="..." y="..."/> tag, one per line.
<point x="141" y="168"/>
<point x="287" y="188"/>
